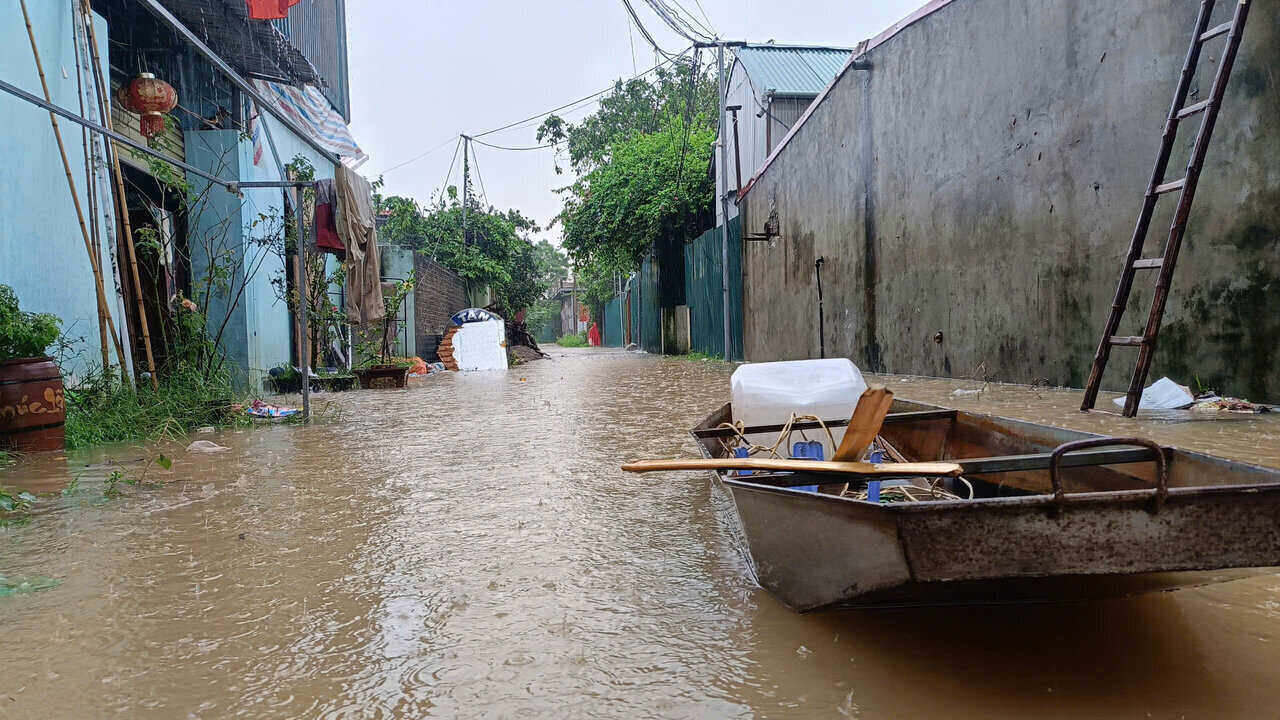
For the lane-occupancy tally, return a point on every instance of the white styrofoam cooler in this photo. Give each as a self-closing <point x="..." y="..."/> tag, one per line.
<point x="767" y="394"/>
<point x="481" y="346"/>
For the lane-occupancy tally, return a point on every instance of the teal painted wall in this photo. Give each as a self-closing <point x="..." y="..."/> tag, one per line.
<point x="42" y="253"/>
<point x="397" y="263"/>
<point x="258" y="332"/>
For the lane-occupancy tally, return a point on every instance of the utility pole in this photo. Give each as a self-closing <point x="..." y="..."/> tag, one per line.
<point x="724" y="196"/>
<point x="466" y="183"/>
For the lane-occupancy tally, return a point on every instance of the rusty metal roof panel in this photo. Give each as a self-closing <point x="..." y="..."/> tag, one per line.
<point x="791" y="69"/>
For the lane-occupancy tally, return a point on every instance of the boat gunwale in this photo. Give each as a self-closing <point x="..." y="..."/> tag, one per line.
<point x="1050" y="501"/>
<point x="1141" y="496"/>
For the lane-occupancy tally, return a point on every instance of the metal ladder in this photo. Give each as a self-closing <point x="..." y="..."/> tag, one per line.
<point x="1146" y="343"/>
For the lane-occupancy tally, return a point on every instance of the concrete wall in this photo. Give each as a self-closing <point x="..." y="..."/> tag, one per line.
<point x="42" y="252"/>
<point x="982" y="181"/>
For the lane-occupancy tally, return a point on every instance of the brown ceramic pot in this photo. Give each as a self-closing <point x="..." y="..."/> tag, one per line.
<point x="32" y="409"/>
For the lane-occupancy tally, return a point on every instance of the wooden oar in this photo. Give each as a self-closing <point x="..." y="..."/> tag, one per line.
<point x="885" y="470"/>
<point x="865" y="424"/>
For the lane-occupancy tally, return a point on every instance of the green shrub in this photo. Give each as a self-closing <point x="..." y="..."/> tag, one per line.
<point x="195" y="389"/>
<point x="24" y="334"/>
<point x="101" y="409"/>
<point x="579" y="340"/>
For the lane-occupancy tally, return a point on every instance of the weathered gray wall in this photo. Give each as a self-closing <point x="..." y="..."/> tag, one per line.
<point x="983" y="179"/>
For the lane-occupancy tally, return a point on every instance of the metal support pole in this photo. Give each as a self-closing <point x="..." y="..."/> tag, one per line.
<point x="304" y="300"/>
<point x="95" y="127"/>
<point x="724" y="199"/>
<point x="101" y="91"/>
<point x="737" y="153"/>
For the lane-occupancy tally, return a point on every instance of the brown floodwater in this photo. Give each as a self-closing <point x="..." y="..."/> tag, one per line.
<point x="469" y="548"/>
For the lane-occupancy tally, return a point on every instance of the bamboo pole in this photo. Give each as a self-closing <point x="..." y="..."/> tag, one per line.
<point x="104" y="312"/>
<point x="122" y="207"/>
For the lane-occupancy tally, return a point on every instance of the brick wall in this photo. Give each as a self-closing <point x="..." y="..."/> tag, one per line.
<point x="438" y="294"/>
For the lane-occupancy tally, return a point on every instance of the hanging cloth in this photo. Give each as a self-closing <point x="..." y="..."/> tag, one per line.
<point x="360" y="237"/>
<point x="327" y="239"/>
<point x="270" y="9"/>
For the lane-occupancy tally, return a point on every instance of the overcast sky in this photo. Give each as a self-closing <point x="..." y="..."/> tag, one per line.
<point x="424" y="70"/>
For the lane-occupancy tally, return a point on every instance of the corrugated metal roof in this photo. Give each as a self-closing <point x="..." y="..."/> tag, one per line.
<point x="792" y="70"/>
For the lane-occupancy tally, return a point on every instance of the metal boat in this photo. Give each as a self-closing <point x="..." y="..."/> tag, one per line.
<point x="1056" y="515"/>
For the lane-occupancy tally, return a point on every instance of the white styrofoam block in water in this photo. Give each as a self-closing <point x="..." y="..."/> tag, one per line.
<point x="481" y="346"/>
<point x="1163" y="394"/>
<point x="767" y="394"/>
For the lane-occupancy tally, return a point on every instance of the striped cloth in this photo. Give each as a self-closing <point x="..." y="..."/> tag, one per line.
<point x="307" y="107"/>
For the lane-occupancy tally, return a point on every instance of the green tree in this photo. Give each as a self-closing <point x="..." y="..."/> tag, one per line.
<point x="634" y="106"/>
<point x="553" y="264"/>
<point x="494" y="253"/>
<point x="652" y="189"/>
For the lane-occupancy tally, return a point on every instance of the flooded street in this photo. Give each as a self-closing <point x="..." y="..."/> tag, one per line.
<point x="469" y="548"/>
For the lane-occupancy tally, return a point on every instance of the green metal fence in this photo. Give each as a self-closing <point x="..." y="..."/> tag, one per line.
<point x="704" y="293"/>
<point x="646" y="318"/>
<point x="611" y="324"/>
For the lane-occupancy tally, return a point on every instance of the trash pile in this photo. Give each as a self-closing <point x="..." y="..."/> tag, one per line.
<point x="1165" y="394"/>
<point x="1213" y="404"/>
<point x="267" y="411"/>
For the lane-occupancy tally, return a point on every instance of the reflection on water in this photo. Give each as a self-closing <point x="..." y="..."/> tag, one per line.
<point x="468" y="547"/>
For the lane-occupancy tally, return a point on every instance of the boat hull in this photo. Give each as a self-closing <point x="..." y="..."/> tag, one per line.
<point x="814" y="551"/>
<point x="1220" y="521"/>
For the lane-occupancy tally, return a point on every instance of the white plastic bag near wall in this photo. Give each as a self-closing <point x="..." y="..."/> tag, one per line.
<point x="1163" y="394"/>
<point x="481" y="346"/>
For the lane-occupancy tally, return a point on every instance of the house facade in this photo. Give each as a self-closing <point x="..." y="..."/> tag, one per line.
<point x="772" y="85"/>
<point x="193" y="239"/>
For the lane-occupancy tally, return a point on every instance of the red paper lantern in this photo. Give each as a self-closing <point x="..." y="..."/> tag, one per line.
<point x="150" y="98"/>
<point x="270" y="9"/>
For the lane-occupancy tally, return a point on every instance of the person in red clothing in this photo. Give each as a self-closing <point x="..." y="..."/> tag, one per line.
<point x="593" y="335"/>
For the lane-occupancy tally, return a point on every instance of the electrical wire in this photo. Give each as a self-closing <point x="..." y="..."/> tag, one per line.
<point x="704" y="15"/>
<point x="592" y="96"/>
<point x="418" y="157"/>
<point x="689" y="27"/>
<point x="644" y="31"/>
<point x="444" y="186"/>
<point x="475" y="162"/>
<point x="503" y="147"/>
<point x="695" y="68"/>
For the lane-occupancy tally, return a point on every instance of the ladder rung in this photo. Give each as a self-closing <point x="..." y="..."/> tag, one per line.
<point x="1222" y="29"/>
<point x="1132" y="340"/>
<point x="1190" y="110"/>
<point x="1148" y="263"/>
<point x="1171" y="186"/>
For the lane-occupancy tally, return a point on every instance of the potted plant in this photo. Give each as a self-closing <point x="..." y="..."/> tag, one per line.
<point x="32" y="406"/>
<point x="393" y="370"/>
